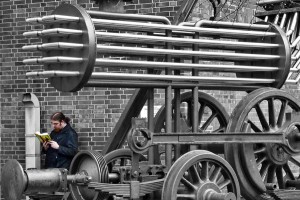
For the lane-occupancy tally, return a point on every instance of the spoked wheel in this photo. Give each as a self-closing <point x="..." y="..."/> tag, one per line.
<point x="212" y="116"/>
<point x="198" y="175"/>
<point x="259" y="166"/>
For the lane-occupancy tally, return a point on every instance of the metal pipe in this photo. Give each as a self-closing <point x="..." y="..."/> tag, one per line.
<point x="283" y="20"/>
<point x="53" y="32"/>
<point x="296" y="80"/>
<point x="32" y="124"/>
<point x="54" y="59"/>
<point x="293" y="24"/>
<point x="288" y="25"/>
<point x="54" y="73"/>
<point x="182" y="66"/>
<point x="276" y="19"/>
<point x="164" y="84"/>
<point x="53" y="19"/>
<point x="147" y="27"/>
<point x="158" y="40"/>
<point x="53" y="46"/>
<point x="221" y="24"/>
<point x="264" y="2"/>
<point x="296" y="42"/>
<point x="186" y="24"/>
<point x="201" y="54"/>
<point x="266" y="18"/>
<point x="142" y="77"/>
<point x="118" y="16"/>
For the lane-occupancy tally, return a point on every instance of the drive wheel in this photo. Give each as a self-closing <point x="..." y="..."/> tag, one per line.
<point x="260" y="165"/>
<point x="212" y="117"/>
<point x="198" y="175"/>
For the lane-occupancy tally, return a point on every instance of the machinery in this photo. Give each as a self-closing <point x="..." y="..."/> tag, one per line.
<point x="203" y="154"/>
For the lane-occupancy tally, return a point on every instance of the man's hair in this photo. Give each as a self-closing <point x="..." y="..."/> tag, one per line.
<point x="59" y="116"/>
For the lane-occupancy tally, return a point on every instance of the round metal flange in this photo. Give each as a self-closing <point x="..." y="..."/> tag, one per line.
<point x="90" y="163"/>
<point x="284" y="62"/>
<point x="139" y="140"/>
<point x="14" y="180"/>
<point x="87" y="53"/>
<point x="201" y="175"/>
<point x="259" y="165"/>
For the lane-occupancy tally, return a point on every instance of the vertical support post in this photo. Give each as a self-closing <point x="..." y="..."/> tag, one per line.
<point x="152" y="150"/>
<point x="168" y="103"/>
<point x="151" y="122"/>
<point x="32" y="124"/>
<point x="195" y="117"/>
<point x="177" y="117"/>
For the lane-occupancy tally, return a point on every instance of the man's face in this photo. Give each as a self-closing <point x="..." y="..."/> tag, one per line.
<point x="57" y="126"/>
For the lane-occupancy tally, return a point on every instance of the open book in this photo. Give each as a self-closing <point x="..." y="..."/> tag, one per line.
<point x="43" y="137"/>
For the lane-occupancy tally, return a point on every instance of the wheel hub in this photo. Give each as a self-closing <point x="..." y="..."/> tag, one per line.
<point x="205" y="189"/>
<point x="292" y="136"/>
<point x="276" y="154"/>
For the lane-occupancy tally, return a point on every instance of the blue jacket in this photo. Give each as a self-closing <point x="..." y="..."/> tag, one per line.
<point x="67" y="140"/>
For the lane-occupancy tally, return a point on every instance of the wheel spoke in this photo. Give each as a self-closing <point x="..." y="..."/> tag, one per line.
<point x="216" y="173"/>
<point x="262" y="118"/>
<point x="204" y="171"/>
<point x="271" y="112"/>
<point x="254" y="127"/>
<point x="260" y="150"/>
<point x="186" y="196"/>
<point x="224" y="183"/>
<point x="220" y="179"/>
<point x="260" y="160"/>
<point x="194" y="174"/>
<point x="279" y="176"/>
<point x="219" y="130"/>
<point x="282" y="113"/>
<point x="271" y="174"/>
<point x="188" y="184"/>
<point x="294" y="161"/>
<point x="288" y="172"/>
<point x="201" y="111"/>
<point x="264" y="170"/>
<point x="208" y="121"/>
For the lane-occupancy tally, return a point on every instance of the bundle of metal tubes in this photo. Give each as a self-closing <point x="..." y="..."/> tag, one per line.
<point x="89" y="48"/>
<point x="288" y="20"/>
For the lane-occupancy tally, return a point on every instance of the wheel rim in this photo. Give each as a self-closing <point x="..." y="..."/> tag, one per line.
<point x="198" y="173"/>
<point x="261" y="165"/>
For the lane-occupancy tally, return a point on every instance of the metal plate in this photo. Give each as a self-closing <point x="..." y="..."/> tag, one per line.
<point x="88" y="52"/>
<point x="14" y="180"/>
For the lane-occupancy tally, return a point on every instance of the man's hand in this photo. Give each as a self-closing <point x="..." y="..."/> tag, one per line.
<point x="53" y="144"/>
<point x="45" y="145"/>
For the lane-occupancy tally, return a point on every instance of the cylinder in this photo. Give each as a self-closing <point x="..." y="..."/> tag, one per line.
<point x="46" y="180"/>
<point x="111" y="50"/>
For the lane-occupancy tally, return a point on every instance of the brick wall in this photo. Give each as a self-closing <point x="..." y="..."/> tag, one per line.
<point x="94" y="111"/>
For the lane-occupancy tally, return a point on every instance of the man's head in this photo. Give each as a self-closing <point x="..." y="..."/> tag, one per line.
<point x="59" y="121"/>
